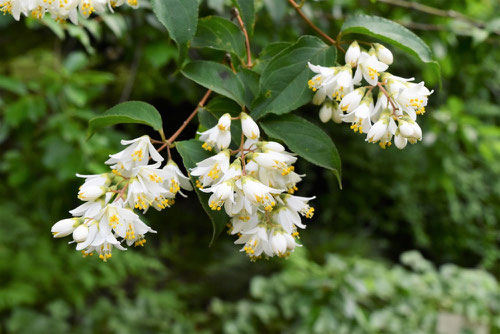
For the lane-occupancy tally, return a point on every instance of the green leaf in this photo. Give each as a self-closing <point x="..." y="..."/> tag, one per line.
<point x="191" y="153"/>
<point x="305" y="139"/>
<point x="267" y="54"/>
<point x="216" y="108"/>
<point x="250" y="80"/>
<point x="220" y="34"/>
<point x="283" y="84"/>
<point x="247" y="13"/>
<point x="393" y="33"/>
<point x="216" y="77"/>
<point x="127" y="112"/>
<point x="12" y="85"/>
<point x="180" y="17"/>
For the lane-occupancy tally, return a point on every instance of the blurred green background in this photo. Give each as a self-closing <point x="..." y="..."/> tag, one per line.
<point x="410" y="245"/>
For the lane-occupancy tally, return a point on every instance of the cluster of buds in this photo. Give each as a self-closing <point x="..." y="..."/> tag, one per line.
<point x="399" y="100"/>
<point x="256" y="188"/>
<point x="107" y="217"/>
<point x="61" y="10"/>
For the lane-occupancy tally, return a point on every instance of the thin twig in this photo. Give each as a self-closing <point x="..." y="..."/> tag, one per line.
<point x="312" y="25"/>
<point x="247" y="40"/>
<point x="382" y="89"/>
<point x="186" y="122"/>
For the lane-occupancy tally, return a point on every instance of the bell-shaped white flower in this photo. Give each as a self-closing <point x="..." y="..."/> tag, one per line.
<point x="244" y="222"/>
<point x="360" y="117"/>
<point x="210" y="170"/>
<point x="370" y="68"/>
<point x="219" y="136"/>
<point x="317" y="83"/>
<point x="275" y="160"/>
<point x="409" y="129"/>
<point x="400" y="141"/>
<point x="64" y="227"/>
<point x="249" y="127"/>
<point x="383" y="54"/>
<point x="299" y="204"/>
<point x="351" y="101"/>
<point x="258" y="193"/>
<point x="221" y="192"/>
<point x="326" y="112"/>
<point x="91" y="193"/>
<point x="138" y="153"/>
<point x="80" y="233"/>
<point x="175" y="180"/>
<point x="352" y="54"/>
<point x="278" y="243"/>
<point x="255" y="242"/>
<point x="133" y="232"/>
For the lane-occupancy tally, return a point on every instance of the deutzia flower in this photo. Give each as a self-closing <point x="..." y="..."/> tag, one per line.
<point x="64" y="227"/>
<point x="383" y="54"/>
<point x="219" y="136"/>
<point x="360" y="117"/>
<point x="136" y="154"/>
<point x="370" y="68"/>
<point x="175" y="180"/>
<point x="221" y="193"/>
<point x="382" y="130"/>
<point x="211" y="169"/>
<point x="259" y="194"/>
<point x="249" y="127"/>
<point x="323" y="75"/>
<point x="352" y="100"/>
<point x="352" y="54"/>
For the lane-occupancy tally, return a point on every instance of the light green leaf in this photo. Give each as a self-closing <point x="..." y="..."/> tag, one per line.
<point x="305" y="139"/>
<point x="220" y="34"/>
<point x="13" y="85"/>
<point x="180" y="17"/>
<point x="393" y="33"/>
<point x="247" y="12"/>
<point x="283" y="84"/>
<point x="216" y="77"/>
<point x="191" y="153"/>
<point x="127" y="112"/>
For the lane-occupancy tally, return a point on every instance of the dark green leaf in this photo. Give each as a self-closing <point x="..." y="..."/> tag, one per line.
<point x="267" y="54"/>
<point x="216" y="77"/>
<point x="283" y="84"/>
<point x="250" y="80"/>
<point x="220" y="34"/>
<point x="191" y="153"/>
<point x="393" y="33"/>
<point x="180" y="17"/>
<point x="127" y="112"/>
<point x="305" y="139"/>
<point x="247" y="12"/>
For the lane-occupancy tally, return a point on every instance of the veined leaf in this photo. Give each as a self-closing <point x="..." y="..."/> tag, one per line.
<point x="268" y="53"/>
<point x="191" y="153"/>
<point x="283" y="84"/>
<point x="220" y="34"/>
<point x="127" y="112"/>
<point x="393" y="33"/>
<point x="180" y="17"/>
<point x="216" y="77"/>
<point x="247" y="12"/>
<point x="305" y="139"/>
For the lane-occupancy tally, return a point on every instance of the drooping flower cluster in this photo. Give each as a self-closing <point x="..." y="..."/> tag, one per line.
<point x="398" y="103"/>
<point x="61" y="10"/>
<point x="107" y="217"/>
<point x="256" y="189"/>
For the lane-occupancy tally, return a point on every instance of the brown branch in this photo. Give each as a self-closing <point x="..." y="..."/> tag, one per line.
<point x="382" y="89"/>
<point x="247" y="40"/>
<point x="312" y="25"/>
<point x="186" y="122"/>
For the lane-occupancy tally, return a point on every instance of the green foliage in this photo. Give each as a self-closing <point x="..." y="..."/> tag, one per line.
<point x="305" y="139"/>
<point x="247" y="11"/>
<point x="180" y="17"/>
<point x="283" y="85"/>
<point x="127" y="112"/>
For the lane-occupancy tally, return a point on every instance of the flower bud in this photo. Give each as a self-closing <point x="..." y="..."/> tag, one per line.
<point x="80" y="233"/>
<point x="271" y="146"/>
<point x="383" y="54"/>
<point x="352" y="100"/>
<point x="378" y="130"/>
<point x="279" y="244"/>
<point x="63" y="227"/>
<point x="249" y="127"/>
<point x="352" y="54"/>
<point x="91" y="193"/>
<point x="326" y="112"/>
<point x="400" y="141"/>
<point x="319" y="97"/>
<point x="406" y="129"/>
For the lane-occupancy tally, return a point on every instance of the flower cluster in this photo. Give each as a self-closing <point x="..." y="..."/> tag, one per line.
<point x="255" y="189"/>
<point x="110" y="199"/>
<point x="61" y="10"/>
<point x="398" y="103"/>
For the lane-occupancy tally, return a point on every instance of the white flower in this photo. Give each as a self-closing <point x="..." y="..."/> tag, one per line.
<point x="259" y="194"/>
<point x="299" y="204"/>
<point x="383" y="54"/>
<point x="221" y="193"/>
<point x="278" y="243"/>
<point x="219" y="136"/>
<point x="135" y="155"/>
<point x="80" y="233"/>
<point x="287" y="218"/>
<point x="244" y="222"/>
<point x="352" y="100"/>
<point x="133" y="232"/>
<point x="255" y="242"/>
<point x="94" y="186"/>
<point x="326" y="112"/>
<point x="382" y="130"/>
<point x="369" y="67"/>
<point x="352" y="54"/>
<point x="360" y="117"/>
<point x="147" y="187"/>
<point x="323" y="75"/>
<point x="400" y="141"/>
<point x="92" y="208"/>
<point x="64" y="227"/>
<point x="211" y="169"/>
<point x="342" y="83"/>
<point x="175" y="180"/>
<point x="274" y="160"/>
<point x="249" y="127"/>
<point x="410" y="130"/>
